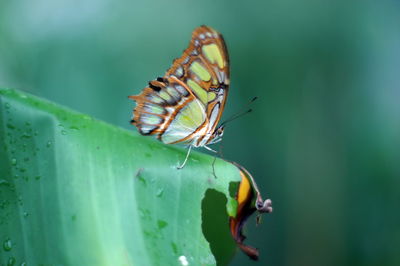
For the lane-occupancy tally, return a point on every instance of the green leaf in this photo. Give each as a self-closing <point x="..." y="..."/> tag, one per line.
<point x="77" y="191"/>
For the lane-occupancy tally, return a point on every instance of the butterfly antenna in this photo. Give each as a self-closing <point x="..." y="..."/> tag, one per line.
<point x="240" y="113"/>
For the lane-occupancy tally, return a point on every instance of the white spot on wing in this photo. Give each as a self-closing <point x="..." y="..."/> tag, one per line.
<point x="153" y="109"/>
<point x="220" y="75"/>
<point x="182" y="90"/>
<point x="150" y="119"/>
<point x="202" y="36"/>
<point x="186" y="60"/>
<point x="145" y="129"/>
<point x="214" y="115"/>
<point x="179" y="72"/>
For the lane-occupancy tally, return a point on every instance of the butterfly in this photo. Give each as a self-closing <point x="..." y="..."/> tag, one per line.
<point x="186" y="104"/>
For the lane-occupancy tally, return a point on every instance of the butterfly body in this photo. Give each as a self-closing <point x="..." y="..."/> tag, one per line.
<point x="186" y="104"/>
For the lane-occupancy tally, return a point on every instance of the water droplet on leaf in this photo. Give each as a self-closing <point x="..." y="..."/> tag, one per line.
<point x="11" y="261"/>
<point x="4" y="182"/>
<point x="7" y="245"/>
<point x="160" y="192"/>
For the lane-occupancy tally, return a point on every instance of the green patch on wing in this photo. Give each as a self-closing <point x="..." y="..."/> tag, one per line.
<point x="185" y="122"/>
<point x="213" y="54"/>
<point x="199" y="91"/>
<point x="198" y="69"/>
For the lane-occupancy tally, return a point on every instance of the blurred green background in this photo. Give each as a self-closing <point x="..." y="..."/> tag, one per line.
<point x="323" y="141"/>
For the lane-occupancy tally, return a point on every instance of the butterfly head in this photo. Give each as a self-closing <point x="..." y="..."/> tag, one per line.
<point x="220" y="131"/>
<point x="217" y="135"/>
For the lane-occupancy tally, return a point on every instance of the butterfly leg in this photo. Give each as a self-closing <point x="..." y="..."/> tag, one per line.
<point x="208" y="148"/>
<point x="213" y="167"/>
<point x="187" y="156"/>
<point x="215" y="159"/>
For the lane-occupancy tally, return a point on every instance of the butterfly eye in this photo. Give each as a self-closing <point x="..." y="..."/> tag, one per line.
<point x="220" y="131"/>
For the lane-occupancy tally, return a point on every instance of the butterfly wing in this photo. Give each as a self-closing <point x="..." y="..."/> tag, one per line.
<point x="187" y="103"/>
<point x="167" y="109"/>
<point x="204" y="67"/>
